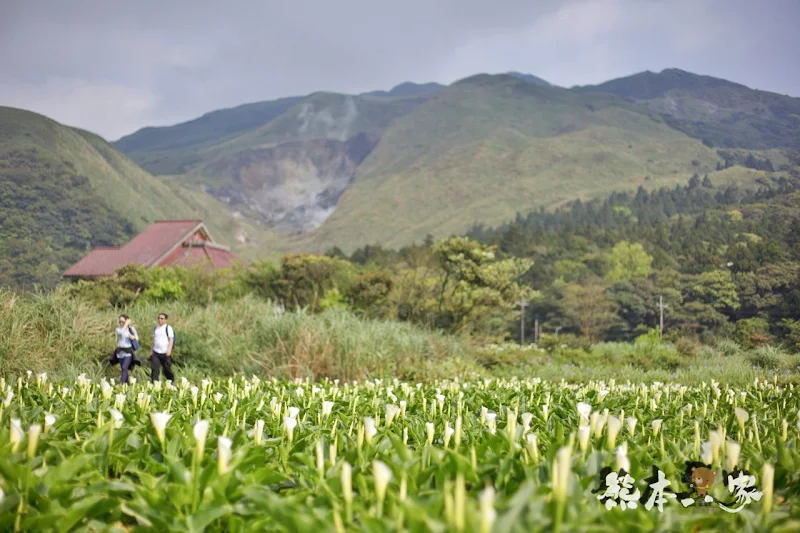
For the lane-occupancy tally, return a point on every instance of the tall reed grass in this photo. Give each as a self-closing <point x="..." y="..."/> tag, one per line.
<point x="52" y="332"/>
<point x="64" y="336"/>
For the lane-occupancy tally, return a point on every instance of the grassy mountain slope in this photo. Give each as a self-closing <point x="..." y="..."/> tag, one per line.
<point x="289" y="172"/>
<point x="167" y="150"/>
<point x="188" y="148"/>
<point x="390" y="167"/>
<point x="67" y="190"/>
<point x="408" y="89"/>
<point x="718" y="111"/>
<point x="320" y="116"/>
<point x="490" y="146"/>
<point x="191" y="145"/>
<point x="530" y="78"/>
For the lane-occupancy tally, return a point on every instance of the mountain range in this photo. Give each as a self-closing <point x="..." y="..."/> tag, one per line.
<point x="392" y="167"/>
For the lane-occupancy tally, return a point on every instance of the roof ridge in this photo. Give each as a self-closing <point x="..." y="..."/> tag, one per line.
<point x="206" y="244"/>
<point x="177" y="220"/>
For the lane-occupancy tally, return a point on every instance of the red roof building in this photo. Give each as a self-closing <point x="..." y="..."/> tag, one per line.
<point x="163" y="243"/>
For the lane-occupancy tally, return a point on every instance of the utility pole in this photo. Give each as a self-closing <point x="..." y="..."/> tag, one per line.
<point x="522" y="306"/>
<point x="661" y="308"/>
<point x="536" y="330"/>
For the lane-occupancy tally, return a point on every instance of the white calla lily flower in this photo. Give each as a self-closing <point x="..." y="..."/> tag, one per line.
<point x="159" y="421"/>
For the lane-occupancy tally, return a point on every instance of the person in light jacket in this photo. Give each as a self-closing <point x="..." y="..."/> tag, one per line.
<point x="125" y="352"/>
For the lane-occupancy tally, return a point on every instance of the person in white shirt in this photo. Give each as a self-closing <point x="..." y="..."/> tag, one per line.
<point x="161" y="354"/>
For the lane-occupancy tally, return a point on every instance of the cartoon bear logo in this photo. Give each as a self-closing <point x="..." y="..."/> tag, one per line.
<point x="702" y="479"/>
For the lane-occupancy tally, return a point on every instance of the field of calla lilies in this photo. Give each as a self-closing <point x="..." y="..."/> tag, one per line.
<point x="246" y="454"/>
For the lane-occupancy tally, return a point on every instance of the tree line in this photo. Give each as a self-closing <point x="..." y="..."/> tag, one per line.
<point x="723" y="260"/>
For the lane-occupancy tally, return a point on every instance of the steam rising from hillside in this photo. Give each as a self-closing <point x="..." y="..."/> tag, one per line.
<point x="324" y="123"/>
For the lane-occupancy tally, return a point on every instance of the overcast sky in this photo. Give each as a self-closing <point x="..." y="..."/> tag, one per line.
<point x="114" y="66"/>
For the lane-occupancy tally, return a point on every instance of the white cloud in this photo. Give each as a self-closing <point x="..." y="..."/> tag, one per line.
<point x="114" y="67"/>
<point x="586" y="20"/>
<point x="100" y="107"/>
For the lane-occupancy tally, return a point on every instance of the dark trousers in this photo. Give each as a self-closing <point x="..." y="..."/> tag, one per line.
<point x="158" y="360"/>
<point x="125" y="364"/>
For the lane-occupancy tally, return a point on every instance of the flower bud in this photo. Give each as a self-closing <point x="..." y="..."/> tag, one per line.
<point x="224" y="454"/>
<point x="200" y="432"/>
<point x="614" y="426"/>
<point x="487" y="511"/>
<point x="258" y="432"/>
<point x="430" y="430"/>
<point x="33" y="439"/>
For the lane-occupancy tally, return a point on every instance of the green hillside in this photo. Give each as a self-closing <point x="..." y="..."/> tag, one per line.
<point x="65" y="191"/>
<point x="288" y="173"/>
<point x="718" y="111"/>
<point x="169" y="149"/>
<point x="530" y="78"/>
<point x="408" y="89"/>
<point x="391" y="167"/>
<point x="209" y="127"/>
<point x="320" y="115"/>
<point x="488" y="147"/>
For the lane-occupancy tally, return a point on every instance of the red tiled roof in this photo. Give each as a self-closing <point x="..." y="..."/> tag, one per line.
<point x="99" y="260"/>
<point x="221" y="258"/>
<point x="155" y="241"/>
<point x="208" y="253"/>
<point x="148" y="248"/>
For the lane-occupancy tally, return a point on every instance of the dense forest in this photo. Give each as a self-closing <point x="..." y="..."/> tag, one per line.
<point x="50" y="217"/>
<point x="724" y="262"/>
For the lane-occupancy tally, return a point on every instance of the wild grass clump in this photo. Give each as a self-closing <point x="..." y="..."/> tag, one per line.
<point x="769" y="357"/>
<point x="644" y="355"/>
<point x="336" y="343"/>
<point x="47" y="331"/>
<point x="729" y="347"/>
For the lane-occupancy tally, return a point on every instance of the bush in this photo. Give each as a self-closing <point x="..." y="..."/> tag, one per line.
<point x="651" y="338"/>
<point x="135" y="284"/>
<point x="792" y="328"/>
<point x="550" y="342"/>
<point x="573" y="356"/>
<point x="672" y="336"/>
<point x="729" y="348"/>
<point x="750" y="333"/>
<point x="706" y="352"/>
<point x="668" y="360"/>
<point x="370" y="293"/>
<point x="304" y="279"/>
<point x="686" y="347"/>
<point x="508" y="354"/>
